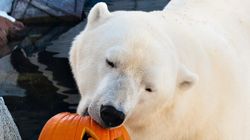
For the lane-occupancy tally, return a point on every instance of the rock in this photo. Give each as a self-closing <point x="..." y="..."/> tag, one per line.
<point x="8" y="129"/>
<point x="62" y="45"/>
<point x="144" y="5"/>
<point x="5" y="5"/>
<point x="47" y="10"/>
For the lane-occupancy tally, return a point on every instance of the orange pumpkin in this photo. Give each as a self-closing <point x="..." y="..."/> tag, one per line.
<point x="67" y="126"/>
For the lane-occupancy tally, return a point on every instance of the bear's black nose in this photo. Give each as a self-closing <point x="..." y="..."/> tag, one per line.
<point x="111" y="117"/>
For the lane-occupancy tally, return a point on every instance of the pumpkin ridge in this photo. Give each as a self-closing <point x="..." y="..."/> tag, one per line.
<point x="51" y="125"/>
<point x="71" y="122"/>
<point x="60" y="123"/>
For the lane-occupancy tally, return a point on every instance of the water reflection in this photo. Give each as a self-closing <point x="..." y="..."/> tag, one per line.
<point x="8" y="79"/>
<point x="35" y="88"/>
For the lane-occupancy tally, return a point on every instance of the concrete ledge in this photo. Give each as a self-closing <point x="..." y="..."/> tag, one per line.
<point x="8" y="129"/>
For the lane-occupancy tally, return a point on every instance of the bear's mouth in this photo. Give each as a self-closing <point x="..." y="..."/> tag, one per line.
<point x="86" y="112"/>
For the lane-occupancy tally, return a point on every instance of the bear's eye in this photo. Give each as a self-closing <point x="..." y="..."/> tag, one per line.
<point x="111" y="64"/>
<point x="148" y="89"/>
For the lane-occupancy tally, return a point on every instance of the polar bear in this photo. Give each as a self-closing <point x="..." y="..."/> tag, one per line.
<point x="177" y="74"/>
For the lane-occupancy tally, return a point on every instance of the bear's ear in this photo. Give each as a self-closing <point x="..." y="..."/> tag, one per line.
<point x="186" y="78"/>
<point x="98" y="12"/>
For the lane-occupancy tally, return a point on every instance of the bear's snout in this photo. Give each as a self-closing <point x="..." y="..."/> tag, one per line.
<point x="111" y="116"/>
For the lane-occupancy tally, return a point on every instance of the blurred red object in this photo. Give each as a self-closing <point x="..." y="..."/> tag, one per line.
<point x="8" y="31"/>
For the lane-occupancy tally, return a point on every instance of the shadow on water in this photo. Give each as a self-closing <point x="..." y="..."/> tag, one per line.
<point x="49" y="89"/>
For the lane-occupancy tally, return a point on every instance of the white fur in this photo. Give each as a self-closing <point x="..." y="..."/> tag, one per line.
<point x="194" y="55"/>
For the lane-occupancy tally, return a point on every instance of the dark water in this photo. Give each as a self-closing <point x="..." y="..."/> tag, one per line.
<point x="45" y="87"/>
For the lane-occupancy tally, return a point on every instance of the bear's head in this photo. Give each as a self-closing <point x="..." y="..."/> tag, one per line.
<point x="125" y="66"/>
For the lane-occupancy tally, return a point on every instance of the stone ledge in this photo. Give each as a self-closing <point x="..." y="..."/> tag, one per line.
<point x="8" y="129"/>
